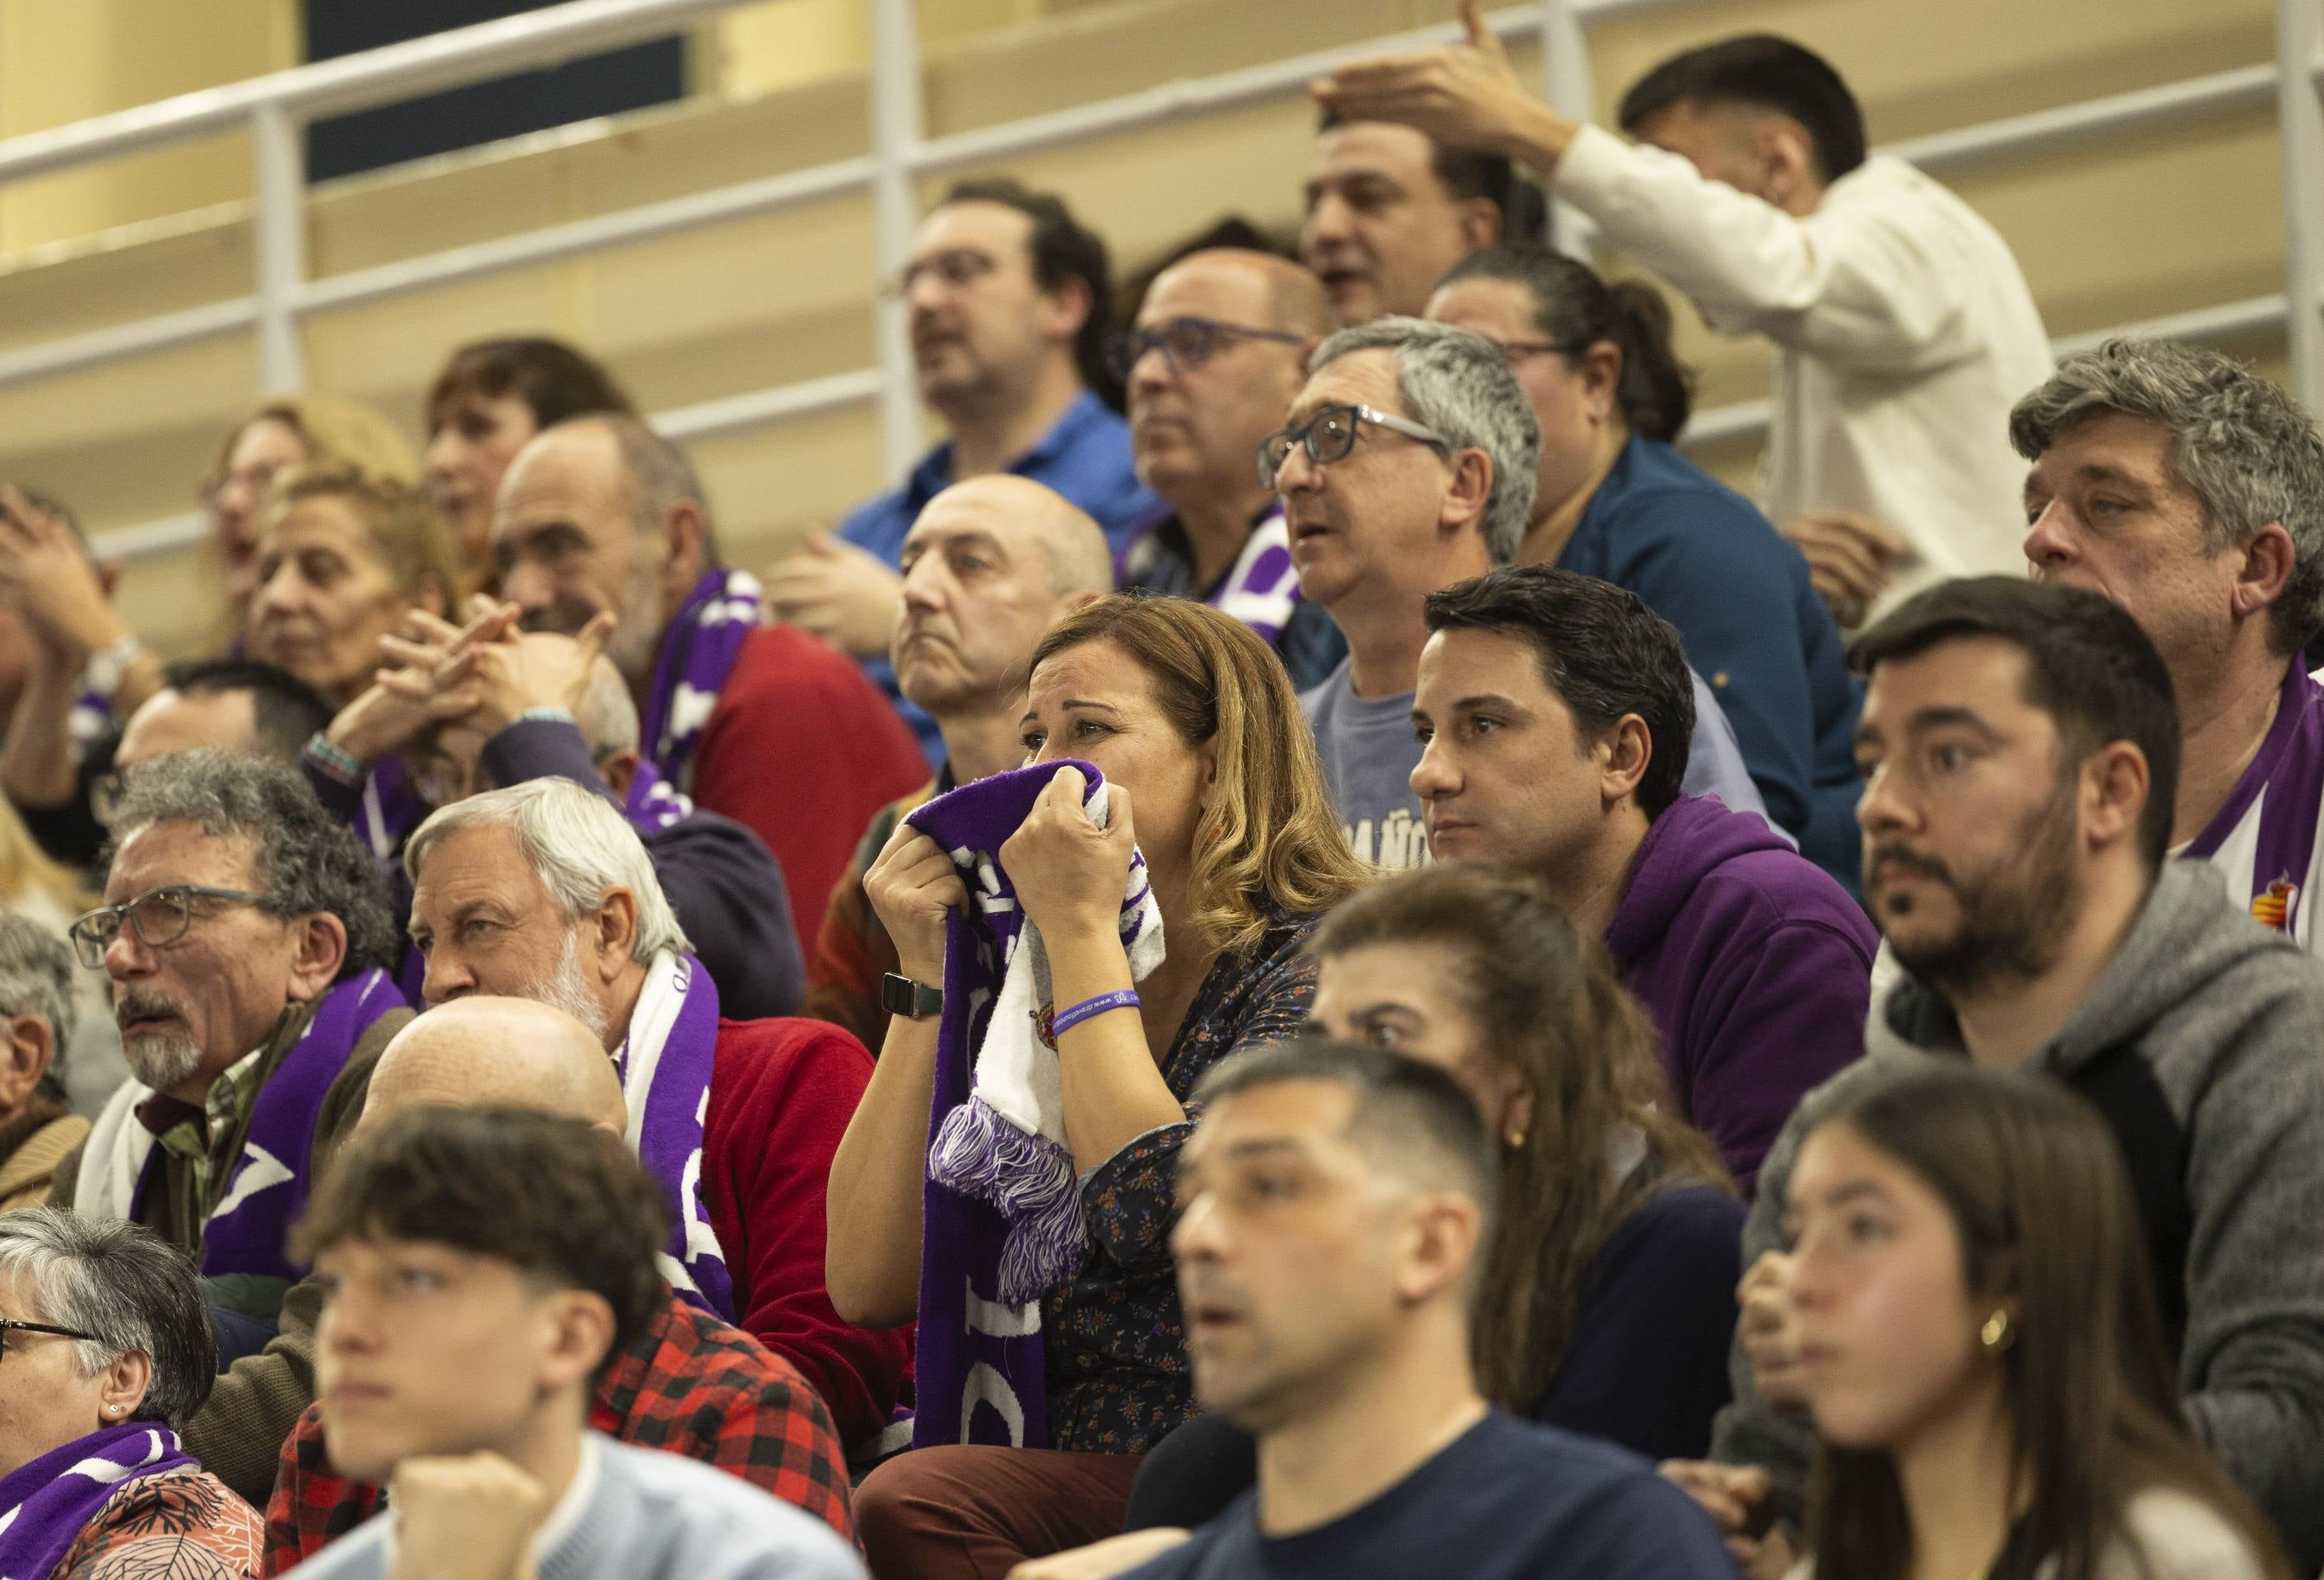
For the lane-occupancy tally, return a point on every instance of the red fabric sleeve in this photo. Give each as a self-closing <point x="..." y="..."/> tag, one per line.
<point x="803" y="749"/>
<point x="781" y="1093"/>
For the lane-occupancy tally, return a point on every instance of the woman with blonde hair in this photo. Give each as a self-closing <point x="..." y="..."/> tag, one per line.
<point x="318" y="432"/>
<point x="1212" y="776"/>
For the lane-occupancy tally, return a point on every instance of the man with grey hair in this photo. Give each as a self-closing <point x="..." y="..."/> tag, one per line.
<point x="109" y="1353"/>
<point x="1406" y="464"/>
<point x="2190" y="491"/>
<point x="601" y="518"/>
<point x="541" y="890"/>
<point x="541" y="706"/>
<point x="247" y="939"/>
<point x="37" y="1129"/>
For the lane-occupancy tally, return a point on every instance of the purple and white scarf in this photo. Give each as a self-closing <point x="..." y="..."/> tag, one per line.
<point x="665" y="1064"/>
<point x="1262" y="587"/>
<point x="392" y="808"/>
<point x="248" y="1229"/>
<point x="2290" y="769"/>
<point x="653" y="803"/>
<point x="1004" y="1220"/>
<point x="46" y="1504"/>
<point x="697" y="653"/>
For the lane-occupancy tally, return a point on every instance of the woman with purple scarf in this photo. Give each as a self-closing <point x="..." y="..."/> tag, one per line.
<point x="1035" y="1403"/>
<point x="104" y="1353"/>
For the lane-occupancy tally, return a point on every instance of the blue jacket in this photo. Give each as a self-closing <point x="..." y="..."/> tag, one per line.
<point x="1702" y="557"/>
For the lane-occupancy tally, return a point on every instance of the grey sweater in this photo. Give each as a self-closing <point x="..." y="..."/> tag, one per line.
<point x="642" y="1514"/>
<point x="2207" y="1033"/>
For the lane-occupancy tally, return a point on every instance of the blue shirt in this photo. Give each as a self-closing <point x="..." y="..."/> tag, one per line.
<point x="1507" y="1501"/>
<point x="1084" y="456"/>
<point x="1702" y="557"/>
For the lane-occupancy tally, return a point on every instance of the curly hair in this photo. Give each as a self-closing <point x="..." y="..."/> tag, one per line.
<point x="307" y="861"/>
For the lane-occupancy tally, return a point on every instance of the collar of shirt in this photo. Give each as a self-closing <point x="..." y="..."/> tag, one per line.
<point x="934" y="474"/>
<point x="186" y="1130"/>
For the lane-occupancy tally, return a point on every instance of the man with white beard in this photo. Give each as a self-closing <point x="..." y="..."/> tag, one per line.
<point x="543" y="891"/>
<point x="246" y="935"/>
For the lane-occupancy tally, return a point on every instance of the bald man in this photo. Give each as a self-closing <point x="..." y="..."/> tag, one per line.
<point x="1221" y="351"/>
<point x="551" y="706"/>
<point x="601" y="516"/>
<point x="990" y="565"/>
<point x="690" y="1384"/>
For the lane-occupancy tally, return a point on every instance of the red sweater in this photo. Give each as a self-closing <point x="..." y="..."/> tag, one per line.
<point x="781" y="1093"/>
<point x="803" y="749"/>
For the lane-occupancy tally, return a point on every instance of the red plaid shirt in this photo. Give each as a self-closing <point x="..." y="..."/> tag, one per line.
<point x="690" y="1384"/>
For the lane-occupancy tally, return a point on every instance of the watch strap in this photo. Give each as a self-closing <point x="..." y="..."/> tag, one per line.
<point x="915" y="1000"/>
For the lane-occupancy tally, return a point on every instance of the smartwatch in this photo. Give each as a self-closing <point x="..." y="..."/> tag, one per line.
<point x="901" y="995"/>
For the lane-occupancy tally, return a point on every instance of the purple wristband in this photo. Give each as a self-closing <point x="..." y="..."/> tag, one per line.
<point x="1073" y="1015"/>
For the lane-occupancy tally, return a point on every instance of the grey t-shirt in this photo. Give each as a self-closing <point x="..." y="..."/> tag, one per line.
<point x="1369" y="751"/>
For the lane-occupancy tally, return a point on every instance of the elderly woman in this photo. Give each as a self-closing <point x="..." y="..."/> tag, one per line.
<point x="103" y="1353"/>
<point x="1189" y="716"/>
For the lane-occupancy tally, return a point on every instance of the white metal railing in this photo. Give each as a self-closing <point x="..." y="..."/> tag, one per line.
<point x="277" y="107"/>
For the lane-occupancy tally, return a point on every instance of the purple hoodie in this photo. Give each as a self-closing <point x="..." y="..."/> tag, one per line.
<point x="1755" y="967"/>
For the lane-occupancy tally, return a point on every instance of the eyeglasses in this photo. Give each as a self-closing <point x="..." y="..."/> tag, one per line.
<point x="10" y="1325"/>
<point x="1185" y="343"/>
<point x="255" y="479"/>
<point x="955" y="267"/>
<point x="1331" y="434"/>
<point x="158" y="917"/>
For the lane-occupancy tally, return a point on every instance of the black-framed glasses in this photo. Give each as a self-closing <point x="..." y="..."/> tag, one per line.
<point x="1184" y="342"/>
<point x="1331" y="434"/>
<point x="954" y="266"/>
<point x="158" y="917"/>
<point x="9" y="1325"/>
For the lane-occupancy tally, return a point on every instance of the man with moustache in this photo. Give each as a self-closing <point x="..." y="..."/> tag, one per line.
<point x="247" y="940"/>
<point x="760" y="724"/>
<point x="2020" y="751"/>
<point x="1008" y="296"/>
<point x="1219" y="355"/>
<point x="992" y="564"/>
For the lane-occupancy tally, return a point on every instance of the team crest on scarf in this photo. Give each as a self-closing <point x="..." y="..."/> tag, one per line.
<point x="2272" y="906"/>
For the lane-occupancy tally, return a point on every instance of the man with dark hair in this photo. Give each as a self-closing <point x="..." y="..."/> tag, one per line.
<point x="1903" y="327"/>
<point x="37" y="1017"/>
<point x="1219" y="351"/>
<point x="1553" y="711"/>
<point x="1009" y="297"/>
<point x="602" y="520"/>
<point x="1390" y="210"/>
<point x="483" y="1269"/>
<point x="2020" y="745"/>
<point x="1335" y="1207"/>
<point x="490" y="399"/>
<point x="2190" y="491"/>
<point x="247" y="940"/>
<point x="687" y="1384"/>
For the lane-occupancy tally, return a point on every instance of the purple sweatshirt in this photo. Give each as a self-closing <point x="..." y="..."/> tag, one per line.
<point x="1754" y="965"/>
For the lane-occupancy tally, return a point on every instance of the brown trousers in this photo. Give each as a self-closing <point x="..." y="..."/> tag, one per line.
<point x="970" y="1512"/>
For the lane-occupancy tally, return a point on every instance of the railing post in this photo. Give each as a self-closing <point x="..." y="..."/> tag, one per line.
<point x="1566" y="85"/>
<point x="281" y="235"/>
<point x="895" y="136"/>
<point x="2299" y="37"/>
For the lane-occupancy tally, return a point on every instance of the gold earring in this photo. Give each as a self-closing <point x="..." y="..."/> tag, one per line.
<point x="1517" y="1140"/>
<point x="1996" y="1334"/>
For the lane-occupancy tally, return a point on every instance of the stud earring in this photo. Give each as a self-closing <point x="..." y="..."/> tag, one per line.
<point x="1517" y="1140"/>
<point x="1996" y="1334"/>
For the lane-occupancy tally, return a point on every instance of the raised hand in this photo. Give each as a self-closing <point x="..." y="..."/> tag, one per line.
<point x="46" y="572"/>
<point x="834" y="590"/>
<point x="1850" y="558"/>
<point x="1463" y="95"/>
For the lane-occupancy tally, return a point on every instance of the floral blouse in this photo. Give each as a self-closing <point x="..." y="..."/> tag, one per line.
<point x="182" y="1524"/>
<point x="1115" y="1342"/>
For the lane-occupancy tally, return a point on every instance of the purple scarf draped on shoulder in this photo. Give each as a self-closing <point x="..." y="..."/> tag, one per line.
<point x="1262" y="587"/>
<point x="665" y="1065"/>
<point x="653" y="803"/>
<point x="46" y="1504"/>
<point x="2290" y="768"/>
<point x="697" y="653"/>
<point x="248" y="1230"/>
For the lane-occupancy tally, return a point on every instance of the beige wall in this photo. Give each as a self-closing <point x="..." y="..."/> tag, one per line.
<point x="2124" y="228"/>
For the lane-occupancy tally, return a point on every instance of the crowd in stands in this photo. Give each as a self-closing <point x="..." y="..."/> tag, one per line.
<point x="1308" y="954"/>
